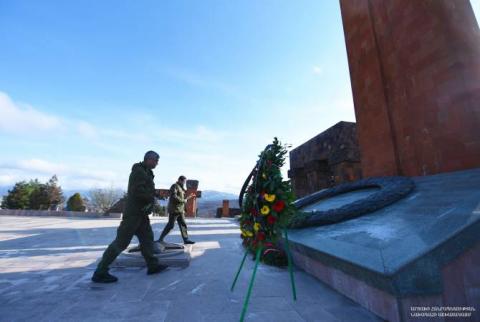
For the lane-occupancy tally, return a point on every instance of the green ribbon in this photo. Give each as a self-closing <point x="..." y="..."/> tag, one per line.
<point x="239" y="269"/>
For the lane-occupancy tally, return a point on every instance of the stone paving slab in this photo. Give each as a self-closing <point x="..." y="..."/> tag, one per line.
<point x="46" y="265"/>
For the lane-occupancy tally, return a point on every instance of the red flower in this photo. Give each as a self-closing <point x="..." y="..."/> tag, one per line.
<point x="261" y="235"/>
<point x="271" y="219"/>
<point x="254" y="211"/>
<point x="278" y="206"/>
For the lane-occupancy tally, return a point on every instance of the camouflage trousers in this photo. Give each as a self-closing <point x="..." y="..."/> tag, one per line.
<point x="131" y="225"/>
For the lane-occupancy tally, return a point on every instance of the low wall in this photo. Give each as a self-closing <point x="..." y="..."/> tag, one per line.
<point x="232" y="212"/>
<point x="51" y="213"/>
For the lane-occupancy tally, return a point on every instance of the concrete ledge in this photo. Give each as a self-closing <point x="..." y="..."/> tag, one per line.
<point x="420" y="251"/>
<point x="50" y="213"/>
<point x="460" y="281"/>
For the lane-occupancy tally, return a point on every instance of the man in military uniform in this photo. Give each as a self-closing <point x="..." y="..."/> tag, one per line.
<point x="176" y="210"/>
<point x="135" y="221"/>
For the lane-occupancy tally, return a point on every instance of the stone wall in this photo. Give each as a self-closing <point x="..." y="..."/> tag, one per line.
<point x="48" y="213"/>
<point x="232" y="212"/>
<point x="330" y="158"/>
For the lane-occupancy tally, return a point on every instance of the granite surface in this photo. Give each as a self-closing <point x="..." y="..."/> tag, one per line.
<point x="401" y="248"/>
<point x="46" y="265"/>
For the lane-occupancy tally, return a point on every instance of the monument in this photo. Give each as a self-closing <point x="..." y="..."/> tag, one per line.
<point x="330" y="158"/>
<point x="415" y="75"/>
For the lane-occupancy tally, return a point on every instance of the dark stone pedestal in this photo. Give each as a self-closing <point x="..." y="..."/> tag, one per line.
<point x="166" y="256"/>
<point x="422" y="251"/>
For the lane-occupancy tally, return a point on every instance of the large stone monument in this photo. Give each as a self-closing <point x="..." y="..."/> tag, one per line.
<point x="415" y="74"/>
<point x="191" y="206"/>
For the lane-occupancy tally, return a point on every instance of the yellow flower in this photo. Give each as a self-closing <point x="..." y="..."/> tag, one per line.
<point x="265" y="210"/>
<point x="269" y="198"/>
<point x="247" y="233"/>
<point x="256" y="227"/>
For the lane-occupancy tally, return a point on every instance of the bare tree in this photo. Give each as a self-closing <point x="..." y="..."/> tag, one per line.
<point x="103" y="199"/>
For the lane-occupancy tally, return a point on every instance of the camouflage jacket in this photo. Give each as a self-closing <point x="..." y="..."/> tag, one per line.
<point x="141" y="191"/>
<point x="176" y="201"/>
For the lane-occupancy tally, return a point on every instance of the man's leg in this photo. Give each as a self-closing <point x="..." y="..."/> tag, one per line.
<point x="182" y="224"/>
<point x="168" y="227"/>
<point x="126" y="230"/>
<point x="145" y="237"/>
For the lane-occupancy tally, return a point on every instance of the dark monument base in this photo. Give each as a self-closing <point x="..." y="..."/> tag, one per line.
<point x="168" y="254"/>
<point x="422" y="251"/>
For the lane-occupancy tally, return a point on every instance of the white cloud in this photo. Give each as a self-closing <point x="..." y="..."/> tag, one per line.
<point x="83" y="177"/>
<point x="25" y="120"/>
<point x="41" y="166"/>
<point x="317" y="70"/>
<point x="220" y="159"/>
<point x="197" y="151"/>
<point x="205" y="134"/>
<point x="87" y="130"/>
<point x="19" y="118"/>
<point x="476" y="9"/>
<point x="301" y="121"/>
<point x="6" y="179"/>
<point x="201" y="81"/>
<point x="197" y="134"/>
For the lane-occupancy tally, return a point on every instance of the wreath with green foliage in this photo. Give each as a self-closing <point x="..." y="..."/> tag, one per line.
<point x="267" y="206"/>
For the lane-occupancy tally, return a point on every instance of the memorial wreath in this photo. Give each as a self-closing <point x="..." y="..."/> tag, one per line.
<point x="267" y="206"/>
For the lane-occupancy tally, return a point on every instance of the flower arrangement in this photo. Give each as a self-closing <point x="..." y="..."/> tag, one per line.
<point x="266" y="211"/>
<point x="267" y="206"/>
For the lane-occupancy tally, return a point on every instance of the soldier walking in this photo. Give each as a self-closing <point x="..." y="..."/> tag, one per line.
<point x="135" y="221"/>
<point x="176" y="210"/>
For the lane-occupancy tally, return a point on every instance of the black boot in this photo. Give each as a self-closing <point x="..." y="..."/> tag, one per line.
<point x="188" y="242"/>
<point x="159" y="268"/>
<point x="103" y="278"/>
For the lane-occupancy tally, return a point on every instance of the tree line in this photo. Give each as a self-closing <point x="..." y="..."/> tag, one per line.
<point x="35" y="195"/>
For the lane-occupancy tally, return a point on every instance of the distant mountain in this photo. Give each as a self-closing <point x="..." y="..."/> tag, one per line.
<point x="212" y="199"/>
<point x="208" y="195"/>
<point x="69" y="192"/>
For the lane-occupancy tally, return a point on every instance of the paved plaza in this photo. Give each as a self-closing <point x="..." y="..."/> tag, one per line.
<point x="46" y="265"/>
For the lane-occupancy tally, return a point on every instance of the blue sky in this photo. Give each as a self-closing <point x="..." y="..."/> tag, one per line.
<point x="88" y="86"/>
